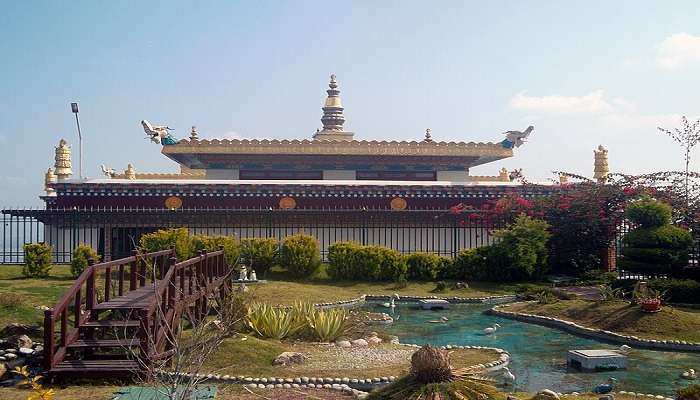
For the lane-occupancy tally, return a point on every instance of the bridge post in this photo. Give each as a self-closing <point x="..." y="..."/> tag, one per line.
<point x="49" y="339"/>
<point x="90" y="297"/>
<point x="171" y="283"/>
<point x="133" y="270"/>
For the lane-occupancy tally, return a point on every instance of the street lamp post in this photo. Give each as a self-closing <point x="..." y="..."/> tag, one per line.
<point x="74" y="109"/>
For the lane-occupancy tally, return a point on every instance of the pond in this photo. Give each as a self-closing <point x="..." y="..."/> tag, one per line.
<point x="539" y="353"/>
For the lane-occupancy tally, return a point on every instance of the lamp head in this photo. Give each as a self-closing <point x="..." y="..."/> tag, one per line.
<point x="74" y="107"/>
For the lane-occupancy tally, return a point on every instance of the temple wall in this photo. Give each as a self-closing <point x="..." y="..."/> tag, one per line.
<point x="222" y="174"/>
<point x="339" y="175"/>
<point x="63" y="240"/>
<point x="453" y="176"/>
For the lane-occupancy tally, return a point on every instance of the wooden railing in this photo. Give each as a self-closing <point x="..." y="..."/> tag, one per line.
<point x="185" y="283"/>
<point x="87" y="285"/>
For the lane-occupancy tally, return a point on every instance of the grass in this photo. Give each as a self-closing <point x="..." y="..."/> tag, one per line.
<point x="253" y="357"/>
<point x="31" y="292"/>
<point x="671" y="323"/>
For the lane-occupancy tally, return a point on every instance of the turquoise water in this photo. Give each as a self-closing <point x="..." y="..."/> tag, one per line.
<point x="539" y="353"/>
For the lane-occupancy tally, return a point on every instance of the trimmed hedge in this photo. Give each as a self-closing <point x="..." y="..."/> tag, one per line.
<point x="81" y="255"/>
<point x="656" y="247"/>
<point x="351" y="261"/>
<point x="299" y="254"/>
<point x="165" y="238"/>
<point x="428" y="266"/>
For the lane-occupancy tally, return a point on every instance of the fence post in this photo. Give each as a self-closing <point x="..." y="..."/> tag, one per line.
<point x="49" y="344"/>
<point x="171" y="284"/>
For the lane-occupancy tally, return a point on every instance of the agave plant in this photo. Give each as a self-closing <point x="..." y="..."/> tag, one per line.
<point x="328" y="325"/>
<point x="270" y="322"/>
<point x="301" y="312"/>
<point x="432" y="378"/>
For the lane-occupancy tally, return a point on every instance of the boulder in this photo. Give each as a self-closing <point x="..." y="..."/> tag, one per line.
<point x="359" y="343"/>
<point x="18" y="341"/>
<point x="546" y="394"/>
<point x="343" y="344"/>
<point x="373" y="340"/>
<point x="288" y="358"/>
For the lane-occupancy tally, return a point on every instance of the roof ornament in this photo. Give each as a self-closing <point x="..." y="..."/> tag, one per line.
<point x="63" y="166"/>
<point x="600" y="164"/>
<point x="333" y="118"/>
<point x="158" y="134"/>
<point x="108" y="172"/>
<point x="516" y="138"/>
<point x="193" y="134"/>
<point x="130" y="172"/>
<point x="49" y="179"/>
<point x="428" y="138"/>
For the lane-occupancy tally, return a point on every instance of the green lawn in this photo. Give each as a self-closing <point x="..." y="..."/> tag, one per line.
<point x="31" y="293"/>
<point x="671" y="323"/>
<point x="253" y="357"/>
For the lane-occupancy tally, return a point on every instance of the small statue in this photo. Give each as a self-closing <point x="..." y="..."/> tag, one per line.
<point x="157" y="134"/>
<point x="516" y="138"/>
<point x="252" y="276"/>
<point x="108" y="172"/>
<point x="242" y="274"/>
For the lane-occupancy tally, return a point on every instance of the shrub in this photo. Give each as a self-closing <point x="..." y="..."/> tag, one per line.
<point x="259" y="253"/>
<point x="647" y="212"/>
<point x="678" y="290"/>
<point x="232" y="248"/>
<point x="81" y="255"/>
<point x="163" y="239"/>
<point x="691" y="392"/>
<point x="351" y="261"/>
<point x="37" y="260"/>
<point x="300" y="255"/>
<point x="424" y="266"/>
<point x="328" y="325"/>
<point x="656" y="247"/>
<point x="342" y="261"/>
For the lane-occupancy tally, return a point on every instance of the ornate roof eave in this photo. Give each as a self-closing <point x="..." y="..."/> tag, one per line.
<point x="330" y="147"/>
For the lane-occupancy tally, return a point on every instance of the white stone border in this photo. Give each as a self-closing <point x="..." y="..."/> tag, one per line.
<point x="600" y="334"/>
<point x="347" y="385"/>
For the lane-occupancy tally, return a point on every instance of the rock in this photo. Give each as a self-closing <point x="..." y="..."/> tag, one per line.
<point x="343" y="344"/>
<point x="288" y="358"/>
<point x="394" y="339"/>
<point x="10" y="356"/>
<point x="546" y="394"/>
<point x="20" y="329"/>
<point x="373" y="340"/>
<point x="607" y="397"/>
<point x="18" y="341"/>
<point x="509" y="397"/>
<point x="359" y="343"/>
<point x="461" y="285"/>
<point x="26" y="351"/>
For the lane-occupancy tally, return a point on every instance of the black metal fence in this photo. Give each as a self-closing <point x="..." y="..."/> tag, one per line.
<point x="114" y="233"/>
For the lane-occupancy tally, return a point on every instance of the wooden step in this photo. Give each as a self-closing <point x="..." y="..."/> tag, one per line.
<point x="112" y="323"/>
<point x="97" y="343"/>
<point x="95" y="368"/>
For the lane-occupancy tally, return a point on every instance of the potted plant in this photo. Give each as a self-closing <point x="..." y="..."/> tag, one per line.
<point x="647" y="298"/>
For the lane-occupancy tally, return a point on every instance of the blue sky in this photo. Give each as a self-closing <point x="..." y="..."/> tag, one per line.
<point x="582" y="72"/>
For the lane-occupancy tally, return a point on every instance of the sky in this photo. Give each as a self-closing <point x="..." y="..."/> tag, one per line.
<point x="583" y="73"/>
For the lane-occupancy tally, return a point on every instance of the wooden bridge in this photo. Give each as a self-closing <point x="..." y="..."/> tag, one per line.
<point x="116" y="318"/>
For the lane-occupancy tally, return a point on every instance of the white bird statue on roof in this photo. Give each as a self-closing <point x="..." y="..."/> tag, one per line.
<point x="155" y="133"/>
<point x="108" y="172"/>
<point x="516" y="138"/>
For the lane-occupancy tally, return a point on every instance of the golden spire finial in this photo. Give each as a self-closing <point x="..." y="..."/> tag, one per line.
<point x="333" y="118"/>
<point x="49" y="179"/>
<point x="130" y="172"/>
<point x="600" y="164"/>
<point x="563" y="179"/>
<point x="62" y="165"/>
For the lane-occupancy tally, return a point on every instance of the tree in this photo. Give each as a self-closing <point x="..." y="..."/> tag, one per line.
<point x="687" y="137"/>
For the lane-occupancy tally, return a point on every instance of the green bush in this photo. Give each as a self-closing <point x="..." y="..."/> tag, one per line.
<point x="678" y="290"/>
<point x="341" y="261"/>
<point x="691" y="392"/>
<point x="648" y="213"/>
<point x="656" y="247"/>
<point x="300" y="255"/>
<point x="426" y="266"/>
<point x="351" y="261"/>
<point x="259" y="254"/>
<point x="519" y="255"/>
<point x="37" y="260"/>
<point x="232" y="248"/>
<point x="163" y="239"/>
<point x="81" y="255"/>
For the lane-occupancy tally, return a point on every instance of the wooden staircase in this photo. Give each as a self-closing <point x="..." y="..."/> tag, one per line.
<point x="117" y="316"/>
